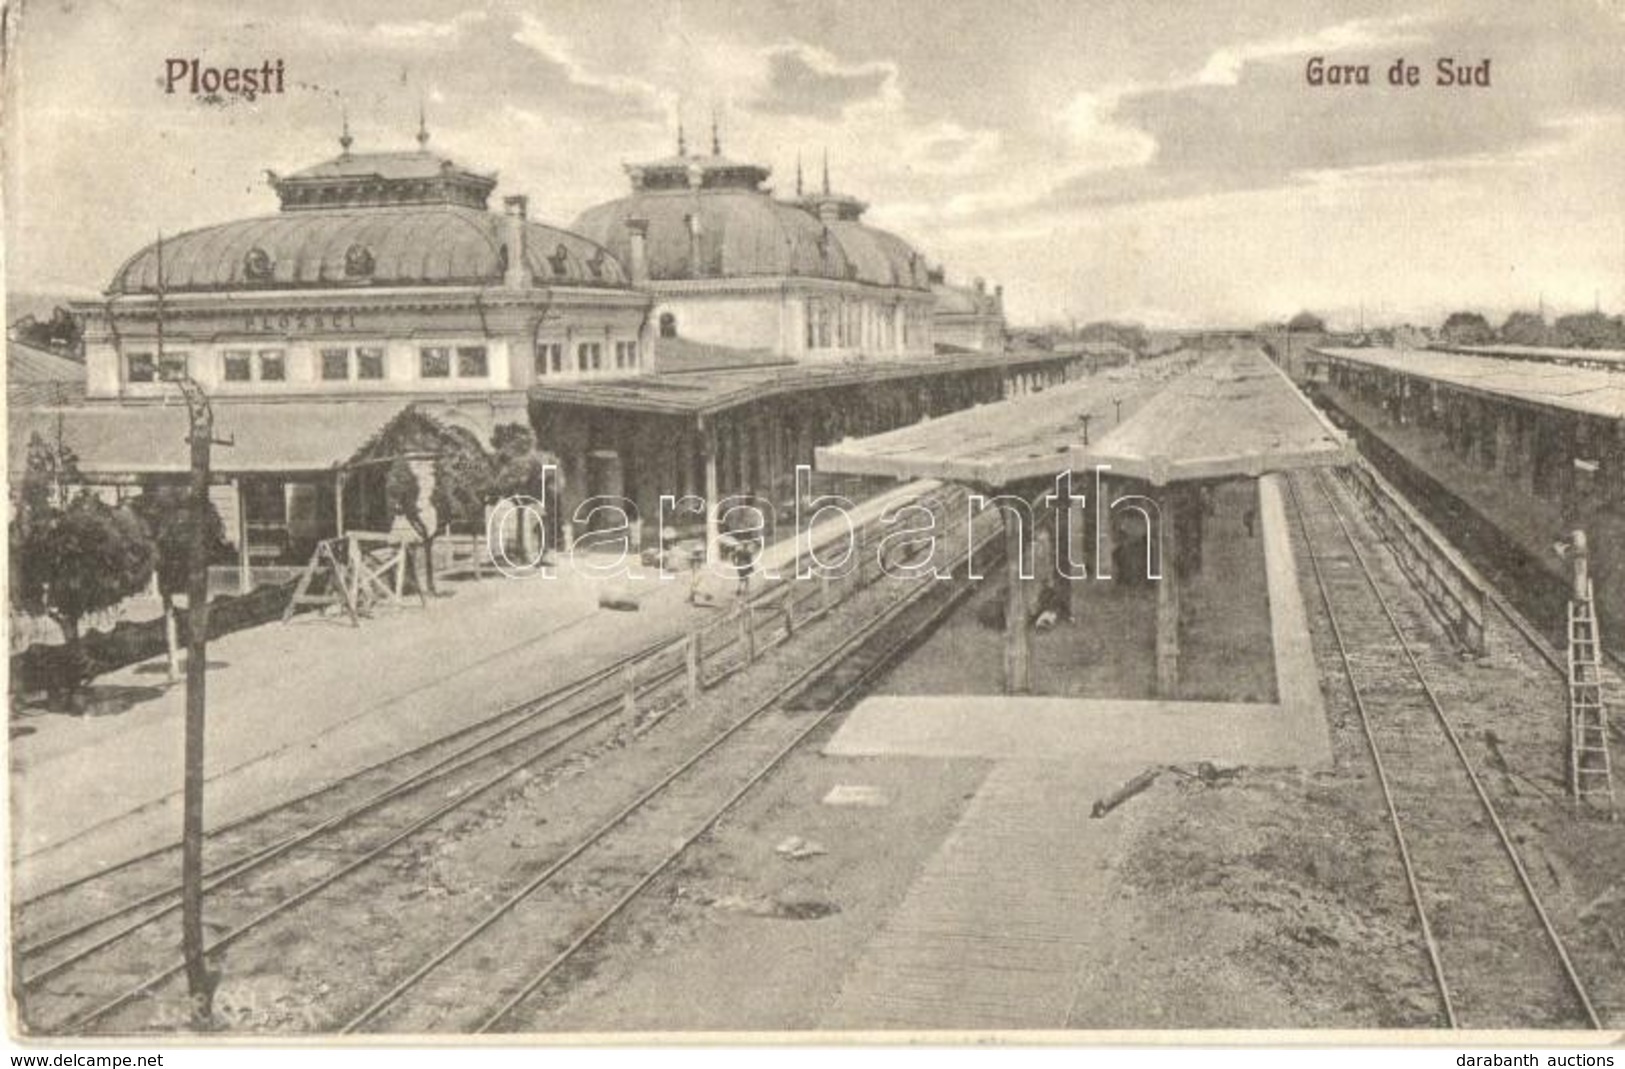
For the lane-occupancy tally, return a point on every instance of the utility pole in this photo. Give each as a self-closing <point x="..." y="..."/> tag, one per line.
<point x="200" y="982"/>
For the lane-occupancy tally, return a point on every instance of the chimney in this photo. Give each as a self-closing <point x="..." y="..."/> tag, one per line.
<point x="981" y="285"/>
<point x="638" y="232"/>
<point x="515" y="211"/>
<point x="998" y="296"/>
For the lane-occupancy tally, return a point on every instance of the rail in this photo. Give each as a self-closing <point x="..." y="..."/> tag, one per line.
<point x="1452" y="587"/>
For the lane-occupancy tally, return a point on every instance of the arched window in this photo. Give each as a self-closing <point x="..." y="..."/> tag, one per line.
<point x="668" y="325"/>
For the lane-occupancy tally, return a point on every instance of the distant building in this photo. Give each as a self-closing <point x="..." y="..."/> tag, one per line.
<point x="967" y="317"/>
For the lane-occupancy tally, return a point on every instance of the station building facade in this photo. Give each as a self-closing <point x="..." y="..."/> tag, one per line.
<point x="383" y="283"/>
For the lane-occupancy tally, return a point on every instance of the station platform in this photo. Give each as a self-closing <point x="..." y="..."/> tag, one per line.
<point x="295" y="707"/>
<point x="995" y="931"/>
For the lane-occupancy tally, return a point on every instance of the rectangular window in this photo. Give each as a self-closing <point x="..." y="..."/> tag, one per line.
<point x="172" y="366"/>
<point x="141" y="368"/>
<point x="273" y="365"/>
<point x="369" y="362"/>
<point x="626" y="355"/>
<point x="549" y="358"/>
<point x="597" y="356"/>
<point x="434" y="363"/>
<point x="236" y="366"/>
<point x="472" y="362"/>
<point x="335" y="364"/>
<point x="589" y="356"/>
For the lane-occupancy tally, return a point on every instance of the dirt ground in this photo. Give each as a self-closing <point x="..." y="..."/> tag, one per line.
<point x="1106" y="650"/>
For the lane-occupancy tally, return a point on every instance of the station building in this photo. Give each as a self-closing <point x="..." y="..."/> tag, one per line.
<point x="699" y="336"/>
<point x="383" y="283"/>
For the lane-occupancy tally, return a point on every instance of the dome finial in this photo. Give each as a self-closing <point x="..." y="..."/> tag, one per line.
<point x="798" y="173"/>
<point x="345" y="140"/>
<point x="716" y="139"/>
<point x="682" y="141"/>
<point x="423" y="128"/>
<point x="826" y="172"/>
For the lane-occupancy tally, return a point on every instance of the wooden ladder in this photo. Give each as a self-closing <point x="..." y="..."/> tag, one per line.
<point x="1590" y="773"/>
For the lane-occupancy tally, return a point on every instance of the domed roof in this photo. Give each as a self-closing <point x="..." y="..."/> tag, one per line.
<point x="742" y="234"/>
<point x="880" y="257"/>
<point x="713" y="209"/>
<point x="434" y="244"/>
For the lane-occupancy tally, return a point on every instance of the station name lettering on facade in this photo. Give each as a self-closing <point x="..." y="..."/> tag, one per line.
<point x="295" y="322"/>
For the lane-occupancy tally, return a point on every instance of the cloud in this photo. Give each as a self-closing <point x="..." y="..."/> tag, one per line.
<point x="427" y="30"/>
<point x="1247" y="119"/>
<point x="807" y="81"/>
<point x="554" y="49"/>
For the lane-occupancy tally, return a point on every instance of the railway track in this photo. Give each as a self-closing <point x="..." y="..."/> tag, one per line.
<point x="1494" y="955"/>
<point x="480" y="981"/>
<point x="117" y="921"/>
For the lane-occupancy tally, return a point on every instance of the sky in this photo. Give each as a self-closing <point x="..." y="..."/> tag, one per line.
<point x="1165" y="162"/>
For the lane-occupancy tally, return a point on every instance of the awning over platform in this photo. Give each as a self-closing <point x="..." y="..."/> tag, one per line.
<point x="1589" y="391"/>
<point x="114" y="439"/>
<point x="706" y="392"/>
<point x="1229" y="413"/>
<point x="1234" y="414"/>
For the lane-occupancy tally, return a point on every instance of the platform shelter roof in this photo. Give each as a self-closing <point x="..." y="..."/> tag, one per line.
<point x="1589" y="391"/>
<point x="1182" y="417"/>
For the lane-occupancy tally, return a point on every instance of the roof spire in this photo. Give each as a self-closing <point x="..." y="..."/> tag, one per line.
<point x="345" y="140"/>
<point x="423" y="128"/>
<point x="826" y="172"/>
<point x="682" y="142"/>
<point x="716" y="140"/>
<point x="798" y="173"/>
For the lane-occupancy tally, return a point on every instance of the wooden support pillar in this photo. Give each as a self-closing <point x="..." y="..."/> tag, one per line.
<point x="1072" y="544"/>
<point x="245" y="569"/>
<point x="1102" y="538"/>
<point x="339" y="479"/>
<point x="708" y="455"/>
<point x="1168" y="599"/>
<point x="1017" y="628"/>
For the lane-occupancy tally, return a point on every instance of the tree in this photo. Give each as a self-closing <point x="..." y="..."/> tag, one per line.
<point x="75" y="561"/>
<point x="405" y="496"/>
<point x="1306" y="323"/>
<point x="1467" y="328"/>
<point x="520" y="472"/>
<point x="1525" y="328"/>
<point x="167" y="513"/>
<point x="1590" y="330"/>
<point x="60" y="333"/>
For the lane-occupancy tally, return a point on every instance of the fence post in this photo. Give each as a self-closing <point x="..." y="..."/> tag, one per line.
<point x="747" y="632"/>
<point x="629" y="699"/>
<point x="691" y="662"/>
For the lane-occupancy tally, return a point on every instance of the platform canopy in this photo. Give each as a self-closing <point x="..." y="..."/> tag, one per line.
<point x="728" y="379"/>
<point x="1179" y="418"/>
<point x="1588" y="391"/>
<point x="1234" y="414"/>
<point x="992" y="445"/>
